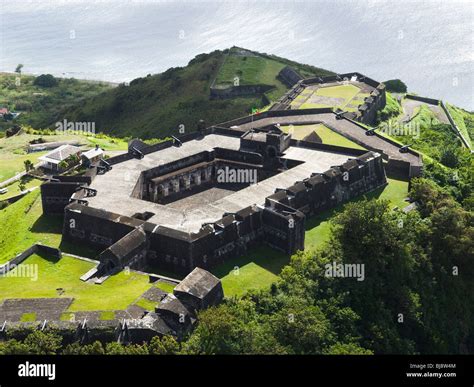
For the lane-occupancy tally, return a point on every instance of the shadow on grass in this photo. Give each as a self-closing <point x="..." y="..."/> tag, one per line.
<point x="263" y="256"/>
<point x="52" y="224"/>
<point x="325" y="216"/>
<point x="48" y="257"/>
<point x="75" y="249"/>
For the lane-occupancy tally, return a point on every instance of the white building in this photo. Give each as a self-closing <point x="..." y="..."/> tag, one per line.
<point x="52" y="159"/>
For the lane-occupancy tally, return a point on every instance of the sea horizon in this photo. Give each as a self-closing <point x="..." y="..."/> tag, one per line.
<point x="93" y="40"/>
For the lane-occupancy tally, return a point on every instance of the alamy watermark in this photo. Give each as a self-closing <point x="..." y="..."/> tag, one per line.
<point x="66" y="126"/>
<point x="236" y="175"/>
<point x="24" y="270"/>
<point x="32" y="370"/>
<point x="409" y="129"/>
<point x="345" y="270"/>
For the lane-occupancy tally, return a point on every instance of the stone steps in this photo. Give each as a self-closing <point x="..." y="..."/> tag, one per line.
<point x="91" y="273"/>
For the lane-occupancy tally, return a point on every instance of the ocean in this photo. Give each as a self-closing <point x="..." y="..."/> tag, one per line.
<point x="427" y="44"/>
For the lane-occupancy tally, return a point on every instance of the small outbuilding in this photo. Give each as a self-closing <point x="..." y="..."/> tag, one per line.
<point x="92" y="156"/>
<point x="51" y="160"/>
<point x="200" y="289"/>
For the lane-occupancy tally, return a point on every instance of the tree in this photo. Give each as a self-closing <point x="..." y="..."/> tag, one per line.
<point x="395" y="86"/>
<point x="45" y="80"/>
<point x="18" y="68"/>
<point x="167" y="345"/>
<point x="28" y="165"/>
<point x="63" y="164"/>
<point x="43" y="343"/>
<point x="14" y="347"/>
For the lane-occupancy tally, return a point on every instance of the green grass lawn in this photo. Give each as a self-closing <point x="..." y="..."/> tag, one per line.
<point x="327" y="135"/>
<point x="349" y="96"/>
<point x="340" y="91"/>
<point x="165" y="286"/>
<point x="256" y="270"/>
<point x="107" y="315"/>
<point x="14" y="188"/>
<point x="318" y="228"/>
<point x="28" y="317"/>
<point x="146" y="304"/>
<point x="250" y="70"/>
<point x="116" y="293"/>
<point x="23" y="224"/>
<point x="13" y="163"/>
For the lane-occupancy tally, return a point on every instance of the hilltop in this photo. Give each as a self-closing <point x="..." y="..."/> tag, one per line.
<point x="158" y="105"/>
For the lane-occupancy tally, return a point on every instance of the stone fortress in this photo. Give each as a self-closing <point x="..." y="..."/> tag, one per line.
<point x="207" y="196"/>
<point x="363" y="109"/>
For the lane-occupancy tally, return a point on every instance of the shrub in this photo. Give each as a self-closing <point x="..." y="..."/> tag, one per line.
<point x="45" y="80"/>
<point x="395" y="86"/>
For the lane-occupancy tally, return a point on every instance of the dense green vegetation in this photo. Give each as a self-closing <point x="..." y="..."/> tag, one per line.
<point x="391" y="109"/>
<point x="395" y="86"/>
<point x="39" y="102"/>
<point x="45" y="80"/>
<point x="449" y="163"/>
<point x="159" y="105"/>
<point x="50" y="343"/>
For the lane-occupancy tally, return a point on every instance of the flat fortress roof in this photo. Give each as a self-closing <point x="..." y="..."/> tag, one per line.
<point x="114" y="188"/>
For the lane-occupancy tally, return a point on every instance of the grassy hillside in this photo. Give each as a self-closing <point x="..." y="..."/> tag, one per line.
<point x="157" y="105"/>
<point x="37" y="104"/>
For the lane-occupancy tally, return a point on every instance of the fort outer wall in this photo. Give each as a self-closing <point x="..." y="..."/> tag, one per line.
<point x="280" y="223"/>
<point x="367" y="111"/>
